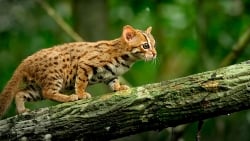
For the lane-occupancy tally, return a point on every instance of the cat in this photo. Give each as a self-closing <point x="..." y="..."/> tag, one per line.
<point x="46" y="73"/>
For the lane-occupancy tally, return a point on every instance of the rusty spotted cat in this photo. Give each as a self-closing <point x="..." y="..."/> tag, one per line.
<point x="46" y="73"/>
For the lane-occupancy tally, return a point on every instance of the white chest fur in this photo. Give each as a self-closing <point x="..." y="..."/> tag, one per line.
<point x="107" y="73"/>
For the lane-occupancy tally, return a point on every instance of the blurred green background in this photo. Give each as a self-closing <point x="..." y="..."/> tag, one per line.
<point x="191" y="36"/>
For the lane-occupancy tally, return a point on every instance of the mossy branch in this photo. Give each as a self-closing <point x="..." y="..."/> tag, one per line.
<point x="149" y="107"/>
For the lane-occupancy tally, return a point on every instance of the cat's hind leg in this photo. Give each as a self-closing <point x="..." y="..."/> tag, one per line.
<point x="23" y="96"/>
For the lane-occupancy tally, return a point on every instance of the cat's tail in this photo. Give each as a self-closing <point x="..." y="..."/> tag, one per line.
<point x="8" y="93"/>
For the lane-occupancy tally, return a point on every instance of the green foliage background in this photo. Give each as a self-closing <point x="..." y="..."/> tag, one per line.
<point x="191" y="36"/>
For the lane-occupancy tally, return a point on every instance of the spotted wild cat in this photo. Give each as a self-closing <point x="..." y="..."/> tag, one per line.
<point x="48" y="72"/>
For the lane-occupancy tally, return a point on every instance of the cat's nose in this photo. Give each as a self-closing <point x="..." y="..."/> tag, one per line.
<point x="154" y="54"/>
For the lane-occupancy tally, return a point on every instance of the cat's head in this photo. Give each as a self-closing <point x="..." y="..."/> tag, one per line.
<point x="141" y="44"/>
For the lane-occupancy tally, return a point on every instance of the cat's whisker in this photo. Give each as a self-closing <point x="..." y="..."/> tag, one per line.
<point x="155" y="60"/>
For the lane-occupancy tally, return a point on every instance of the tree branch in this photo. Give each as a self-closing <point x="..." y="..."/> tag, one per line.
<point x="149" y="107"/>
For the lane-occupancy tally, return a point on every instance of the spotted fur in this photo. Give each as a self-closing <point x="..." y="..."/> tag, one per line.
<point x="49" y="72"/>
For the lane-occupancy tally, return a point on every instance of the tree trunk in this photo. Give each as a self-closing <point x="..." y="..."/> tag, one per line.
<point x="149" y="107"/>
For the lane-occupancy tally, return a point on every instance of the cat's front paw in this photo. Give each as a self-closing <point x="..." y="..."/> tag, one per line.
<point x="115" y="85"/>
<point x="85" y="95"/>
<point x="23" y="111"/>
<point x="73" y="97"/>
<point x="123" y="87"/>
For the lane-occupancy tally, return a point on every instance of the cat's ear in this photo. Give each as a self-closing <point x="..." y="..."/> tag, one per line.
<point x="128" y="33"/>
<point x="149" y="29"/>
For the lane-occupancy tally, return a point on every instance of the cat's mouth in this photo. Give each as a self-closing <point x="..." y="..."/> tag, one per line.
<point x="148" y="57"/>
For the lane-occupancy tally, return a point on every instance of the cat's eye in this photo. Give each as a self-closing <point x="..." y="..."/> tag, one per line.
<point x="145" y="46"/>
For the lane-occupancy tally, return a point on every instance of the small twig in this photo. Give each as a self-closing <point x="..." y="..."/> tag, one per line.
<point x="52" y="13"/>
<point x="177" y="132"/>
<point x="198" y="135"/>
<point x="172" y="137"/>
<point x="237" y="49"/>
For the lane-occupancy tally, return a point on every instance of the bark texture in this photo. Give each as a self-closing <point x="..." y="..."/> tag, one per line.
<point x="149" y="107"/>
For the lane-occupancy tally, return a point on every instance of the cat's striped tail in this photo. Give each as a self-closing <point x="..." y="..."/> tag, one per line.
<point x="8" y="93"/>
